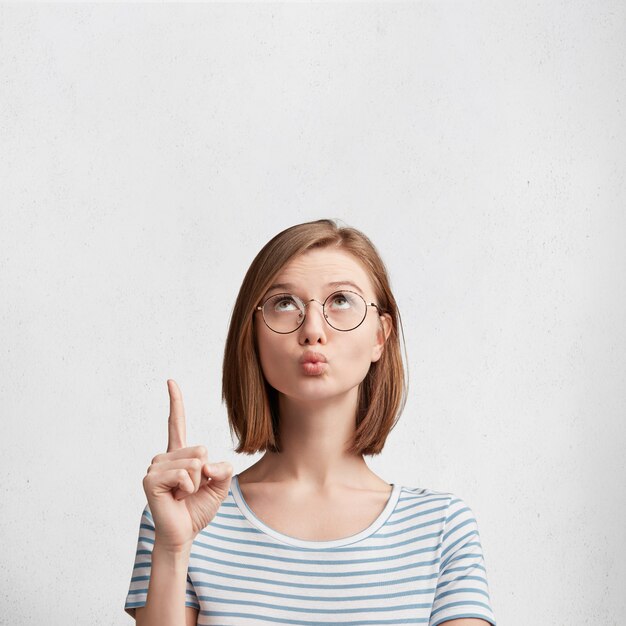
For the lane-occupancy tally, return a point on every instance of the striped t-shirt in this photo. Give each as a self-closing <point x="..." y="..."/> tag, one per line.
<point x="419" y="562"/>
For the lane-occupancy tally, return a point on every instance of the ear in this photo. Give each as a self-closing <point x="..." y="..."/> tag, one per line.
<point x="382" y="334"/>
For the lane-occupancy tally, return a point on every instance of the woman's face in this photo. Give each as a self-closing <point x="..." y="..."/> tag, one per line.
<point x="316" y="274"/>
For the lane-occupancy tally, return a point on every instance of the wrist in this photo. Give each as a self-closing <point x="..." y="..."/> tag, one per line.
<point x="172" y="552"/>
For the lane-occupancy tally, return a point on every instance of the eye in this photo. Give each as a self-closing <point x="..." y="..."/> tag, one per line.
<point x="342" y="300"/>
<point x="282" y="303"/>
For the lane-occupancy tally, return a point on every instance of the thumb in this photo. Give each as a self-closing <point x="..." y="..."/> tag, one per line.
<point x="219" y="473"/>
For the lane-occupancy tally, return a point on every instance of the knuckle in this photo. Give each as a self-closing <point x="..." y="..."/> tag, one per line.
<point x="181" y="474"/>
<point x="196" y="464"/>
<point x="156" y="459"/>
<point x="201" y="451"/>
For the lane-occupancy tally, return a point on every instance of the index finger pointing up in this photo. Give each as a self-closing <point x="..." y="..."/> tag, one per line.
<point x="176" y="423"/>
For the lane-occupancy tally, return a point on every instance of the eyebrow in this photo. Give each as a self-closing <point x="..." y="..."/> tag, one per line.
<point x="337" y="283"/>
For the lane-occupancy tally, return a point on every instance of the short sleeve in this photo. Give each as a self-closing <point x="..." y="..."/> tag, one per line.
<point x="138" y="590"/>
<point x="462" y="589"/>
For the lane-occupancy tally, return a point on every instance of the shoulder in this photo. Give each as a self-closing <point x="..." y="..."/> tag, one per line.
<point x="452" y="501"/>
<point x="453" y="511"/>
<point x="415" y="494"/>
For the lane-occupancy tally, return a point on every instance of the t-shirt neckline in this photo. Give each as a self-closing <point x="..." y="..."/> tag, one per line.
<point x="305" y="543"/>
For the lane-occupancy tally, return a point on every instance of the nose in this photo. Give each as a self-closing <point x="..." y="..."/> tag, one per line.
<point x="313" y="329"/>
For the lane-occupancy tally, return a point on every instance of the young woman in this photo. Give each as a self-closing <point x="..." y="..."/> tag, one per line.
<point x="313" y="377"/>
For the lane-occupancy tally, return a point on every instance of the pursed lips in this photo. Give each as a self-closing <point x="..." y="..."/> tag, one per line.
<point x="313" y="357"/>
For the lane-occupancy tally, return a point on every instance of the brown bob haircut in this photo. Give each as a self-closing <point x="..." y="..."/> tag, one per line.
<point x="252" y="403"/>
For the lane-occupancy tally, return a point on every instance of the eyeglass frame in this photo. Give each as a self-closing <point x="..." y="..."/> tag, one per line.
<point x="305" y="304"/>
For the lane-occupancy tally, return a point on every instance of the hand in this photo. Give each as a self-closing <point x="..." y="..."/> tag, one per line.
<point x="183" y="491"/>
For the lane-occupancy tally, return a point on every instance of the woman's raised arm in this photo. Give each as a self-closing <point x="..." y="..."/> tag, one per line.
<point x="184" y="494"/>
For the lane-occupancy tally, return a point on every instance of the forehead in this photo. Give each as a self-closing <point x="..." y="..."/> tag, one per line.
<point x="318" y="267"/>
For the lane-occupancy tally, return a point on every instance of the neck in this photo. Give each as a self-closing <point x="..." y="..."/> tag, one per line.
<point x="314" y="439"/>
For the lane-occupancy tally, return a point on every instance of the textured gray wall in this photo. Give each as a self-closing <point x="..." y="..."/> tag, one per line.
<point x="147" y="152"/>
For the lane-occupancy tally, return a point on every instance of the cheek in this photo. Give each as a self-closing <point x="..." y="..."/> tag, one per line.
<point x="356" y="355"/>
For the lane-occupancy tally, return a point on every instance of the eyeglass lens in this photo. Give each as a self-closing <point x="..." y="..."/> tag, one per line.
<point x="344" y="310"/>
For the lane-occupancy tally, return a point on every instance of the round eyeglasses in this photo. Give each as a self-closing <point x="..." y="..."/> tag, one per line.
<point x="343" y="310"/>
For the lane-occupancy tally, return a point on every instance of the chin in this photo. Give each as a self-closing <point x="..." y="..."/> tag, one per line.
<point x="314" y="388"/>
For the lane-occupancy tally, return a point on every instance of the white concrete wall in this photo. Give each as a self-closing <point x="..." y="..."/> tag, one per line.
<point x="147" y="152"/>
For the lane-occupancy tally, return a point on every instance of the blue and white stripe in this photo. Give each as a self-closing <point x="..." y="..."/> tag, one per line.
<point x="419" y="562"/>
